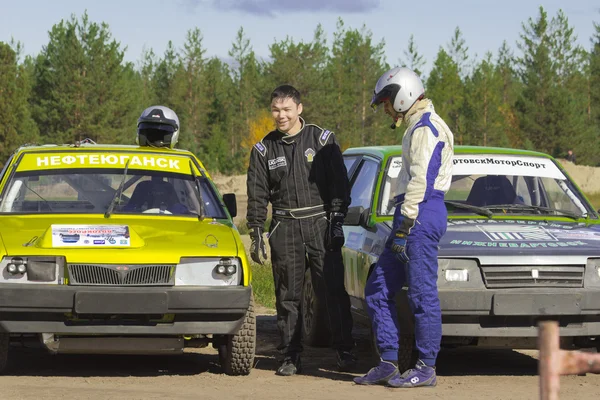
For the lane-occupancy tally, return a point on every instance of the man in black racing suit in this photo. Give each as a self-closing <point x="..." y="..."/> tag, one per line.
<point x="299" y="168"/>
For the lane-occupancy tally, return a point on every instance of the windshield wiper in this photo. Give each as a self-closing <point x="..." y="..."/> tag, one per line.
<point x="117" y="197"/>
<point x="475" y="209"/>
<point x="197" y="184"/>
<point x="38" y="195"/>
<point x="564" y="213"/>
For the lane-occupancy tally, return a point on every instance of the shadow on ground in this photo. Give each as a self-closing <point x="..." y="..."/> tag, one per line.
<point x="317" y="362"/>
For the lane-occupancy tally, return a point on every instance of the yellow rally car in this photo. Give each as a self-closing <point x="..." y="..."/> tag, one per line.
<point x="121" y="249"/>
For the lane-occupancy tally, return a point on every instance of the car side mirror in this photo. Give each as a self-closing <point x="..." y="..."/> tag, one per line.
<point x="231" y="203"/>
<point x="353" y="216"/>
<point x="358" y="216"/>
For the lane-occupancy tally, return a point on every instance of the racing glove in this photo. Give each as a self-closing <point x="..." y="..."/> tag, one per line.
<point x="335" y="232"/>
<point x="399" y="242"/>
<point x="257" y="247"/>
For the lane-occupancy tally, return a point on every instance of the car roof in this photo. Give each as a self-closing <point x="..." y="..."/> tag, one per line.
<point x="384" y="151"/>
<point x="100" y="147"/>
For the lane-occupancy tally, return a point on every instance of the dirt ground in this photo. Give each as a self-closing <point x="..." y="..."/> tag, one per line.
<point x="462" y="374"/>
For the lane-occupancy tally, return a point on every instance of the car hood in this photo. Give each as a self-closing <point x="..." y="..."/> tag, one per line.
<point x="517" y="237"/>
<point x="147" y="239"/>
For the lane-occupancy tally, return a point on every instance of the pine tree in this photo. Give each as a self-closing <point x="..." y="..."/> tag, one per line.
<point x="413" y="59"/>
<point x="189" y="99"/>
<point x="82" y="87"/>
<point x="510" y="89"/>
<point x="483" y="99"/>
<point x="355" y="66"/>
<point x="446" y="89"/>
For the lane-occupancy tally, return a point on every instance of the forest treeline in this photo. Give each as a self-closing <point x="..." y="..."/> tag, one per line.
<point x="543" y="94"/>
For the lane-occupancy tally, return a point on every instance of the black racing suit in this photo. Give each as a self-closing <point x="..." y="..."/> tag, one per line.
<point x="302" y="176"/>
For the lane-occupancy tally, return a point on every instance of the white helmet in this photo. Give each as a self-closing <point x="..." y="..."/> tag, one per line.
<point x="158" y="126"/>
<point x="401" y="86"/>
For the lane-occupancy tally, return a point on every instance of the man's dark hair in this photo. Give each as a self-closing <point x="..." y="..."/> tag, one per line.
<point x="284" y="92"/>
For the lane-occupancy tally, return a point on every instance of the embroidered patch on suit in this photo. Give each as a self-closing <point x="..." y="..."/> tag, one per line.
<point x="309" y="154"/>
<point x="324" y="137"/>
<point x="261" y="148"/>
<point x="277" y="163"/>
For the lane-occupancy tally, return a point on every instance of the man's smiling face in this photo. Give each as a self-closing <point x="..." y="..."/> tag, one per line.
<point x="286" y="114"/>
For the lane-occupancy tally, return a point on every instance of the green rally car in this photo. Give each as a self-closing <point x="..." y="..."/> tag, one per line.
<point x="522" y="244"/>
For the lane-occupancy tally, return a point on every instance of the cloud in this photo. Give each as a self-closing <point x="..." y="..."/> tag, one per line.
<point x="270" y="7"/>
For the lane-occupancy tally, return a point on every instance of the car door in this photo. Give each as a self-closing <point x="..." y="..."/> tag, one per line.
<point x="363" y="178"/>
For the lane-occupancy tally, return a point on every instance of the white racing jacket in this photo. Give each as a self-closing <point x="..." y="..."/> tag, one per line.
<point x="427" y="151"/>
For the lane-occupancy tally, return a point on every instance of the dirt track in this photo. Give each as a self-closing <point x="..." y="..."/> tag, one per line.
<point x="463" y="374"/>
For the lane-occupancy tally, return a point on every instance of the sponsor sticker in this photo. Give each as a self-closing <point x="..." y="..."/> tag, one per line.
<point x="525" y="233"/>
<point x="474" y="164"/>
<point x="104" y="160"/>
<point x="90" y="235"/>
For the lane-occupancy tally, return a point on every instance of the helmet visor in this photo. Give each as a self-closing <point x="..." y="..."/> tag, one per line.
<point x="153" y="126"/>
<point x="389" y="92"/>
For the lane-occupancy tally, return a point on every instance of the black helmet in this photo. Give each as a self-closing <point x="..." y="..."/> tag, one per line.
<point x="158" y="126"/>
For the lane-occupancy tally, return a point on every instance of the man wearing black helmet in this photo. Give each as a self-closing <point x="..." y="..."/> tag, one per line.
<point x="420" y="221"/>
<point x="299" y="168"/>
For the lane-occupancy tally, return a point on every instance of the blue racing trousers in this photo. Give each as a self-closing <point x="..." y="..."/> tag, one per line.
<point x="420" y="274"/>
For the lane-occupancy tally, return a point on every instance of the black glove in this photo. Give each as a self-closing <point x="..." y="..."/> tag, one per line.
<point x="258" y="247"/>
<point x="335" y="233"/>
<point x="401" y="239"/>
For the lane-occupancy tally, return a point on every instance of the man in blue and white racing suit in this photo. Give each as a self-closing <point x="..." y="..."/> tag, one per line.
<point x="420" y="220"/>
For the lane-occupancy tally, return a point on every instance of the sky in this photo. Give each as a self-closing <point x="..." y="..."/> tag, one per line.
<point x="140" y="25"/>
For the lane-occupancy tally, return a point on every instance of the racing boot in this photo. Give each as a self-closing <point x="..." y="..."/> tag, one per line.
<point x="346" y="361"/>
<point x="420" y="375"/>
<point x="380" y="374"/>
<point x="291" y="365"/>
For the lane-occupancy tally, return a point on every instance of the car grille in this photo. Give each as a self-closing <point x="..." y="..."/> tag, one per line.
<point x="512" y="276"/>
<point x="120" y="275"/>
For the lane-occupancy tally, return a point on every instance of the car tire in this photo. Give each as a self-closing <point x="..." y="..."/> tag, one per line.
<point x="4" y="345"/>
<point x="315" y="323"/>
<point x="236" y="352"/>
<point x="407" y="354"/>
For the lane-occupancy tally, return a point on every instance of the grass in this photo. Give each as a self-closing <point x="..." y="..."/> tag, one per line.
<point x="262" y="284"/>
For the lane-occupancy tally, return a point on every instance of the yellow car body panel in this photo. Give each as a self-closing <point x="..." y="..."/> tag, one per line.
<point x="165" y="238"/>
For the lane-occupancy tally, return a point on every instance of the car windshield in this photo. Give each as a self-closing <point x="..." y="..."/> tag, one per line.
<point x="92" y="190"/>
<point x="490" y="184"/>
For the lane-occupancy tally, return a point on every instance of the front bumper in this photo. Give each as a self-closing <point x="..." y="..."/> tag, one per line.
<point x="121" y="310"/>
<point x="515" y="312"/>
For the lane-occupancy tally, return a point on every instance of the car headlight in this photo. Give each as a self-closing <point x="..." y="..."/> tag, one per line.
<point x="201" y="271"/>
<point x="457" y="275"/>
<point x="32" y="269"/>
<point x="459" y="272"/>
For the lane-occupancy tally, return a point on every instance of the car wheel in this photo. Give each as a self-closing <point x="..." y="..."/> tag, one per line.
<point x="4" y="344"/>
<point x="236" y="352"/>
<point x="407" y="354"/>
<point x="314" y="316"/>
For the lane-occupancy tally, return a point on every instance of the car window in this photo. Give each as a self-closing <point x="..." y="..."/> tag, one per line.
<point x="349" y="162"/>
<point x="91" y="191"/>
<point x="489" y="180"/>
<point x="362" y="188"/>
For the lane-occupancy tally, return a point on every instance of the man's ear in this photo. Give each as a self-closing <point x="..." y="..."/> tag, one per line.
<point x="300" y="108"/>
